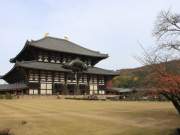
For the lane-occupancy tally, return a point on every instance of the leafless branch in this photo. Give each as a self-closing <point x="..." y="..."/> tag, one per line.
<point x="167" y="29"/>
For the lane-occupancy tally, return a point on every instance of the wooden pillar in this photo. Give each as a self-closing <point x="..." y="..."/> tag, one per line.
<point x="65" y="90"/>
<point x="88" y="84"/>
<point x="39" y="81"/>
<point x="27" y="81"/>
<point x="52" y="74"/>
<point x="77" y="84"/>
<point x="98" y="84"/>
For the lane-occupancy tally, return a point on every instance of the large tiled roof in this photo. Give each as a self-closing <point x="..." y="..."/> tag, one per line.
<point x="16" y="86"/>
<point x="42" y="66"/>
<point x="59" y="67"/>
<point x="63" y="45"/>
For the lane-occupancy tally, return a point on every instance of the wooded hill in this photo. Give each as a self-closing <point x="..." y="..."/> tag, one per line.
<point x="140" y="77"/>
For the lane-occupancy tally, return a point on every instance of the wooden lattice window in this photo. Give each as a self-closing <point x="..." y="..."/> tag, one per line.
<point x="33" y="76"/>
<point x="46" y="88"/>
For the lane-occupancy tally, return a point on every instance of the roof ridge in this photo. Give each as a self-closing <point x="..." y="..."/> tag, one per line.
<point x="86" y="48"/>
<point x="37" y="40"/>
<point x="68" y="41"/>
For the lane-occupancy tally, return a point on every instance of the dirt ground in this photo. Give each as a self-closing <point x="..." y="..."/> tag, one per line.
<point x="70" y="117"/>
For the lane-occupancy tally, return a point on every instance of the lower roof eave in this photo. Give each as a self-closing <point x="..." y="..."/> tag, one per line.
<point x="13" y="87"/>
<point x="59" y="68"/>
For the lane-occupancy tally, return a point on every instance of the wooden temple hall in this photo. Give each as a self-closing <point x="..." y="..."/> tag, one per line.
<point x="57" y="66"/>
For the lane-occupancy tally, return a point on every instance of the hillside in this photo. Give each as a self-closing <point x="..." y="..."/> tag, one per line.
<point x="138" y="77"/>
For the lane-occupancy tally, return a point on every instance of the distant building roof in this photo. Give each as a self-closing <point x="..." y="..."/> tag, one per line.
<point x="10" y="87"/>
<point x="121" y="90"/>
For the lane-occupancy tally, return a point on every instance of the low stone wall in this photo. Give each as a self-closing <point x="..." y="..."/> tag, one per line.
<point x="38" y="97"/>
<point x="80" y="97"/>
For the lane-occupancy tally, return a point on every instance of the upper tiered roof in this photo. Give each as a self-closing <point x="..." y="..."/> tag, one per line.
<point x="61" y="45"/>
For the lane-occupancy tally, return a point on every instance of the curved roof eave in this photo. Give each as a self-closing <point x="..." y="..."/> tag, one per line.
<point x="14" y="86"/>
<point x="41" y="66"/>
<point x="58" y="67"/>
<point x="12" y="60"/>
<point x="101" y="71"/>
<point x="3" y="76"/>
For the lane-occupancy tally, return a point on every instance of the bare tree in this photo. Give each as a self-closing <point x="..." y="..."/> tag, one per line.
<point x="167" y="30"/>
<point x="166" y="79"/>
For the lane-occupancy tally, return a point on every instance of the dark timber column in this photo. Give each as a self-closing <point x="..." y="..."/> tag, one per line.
<point x="28" y="82"/>
<point x="77" y="84"/>
<point x="65" y="89"/>
<point x="53" y="88"/>
<point x="39" y="81"/>
<point x="88" y="84"/>
<point x="98" y="84"/>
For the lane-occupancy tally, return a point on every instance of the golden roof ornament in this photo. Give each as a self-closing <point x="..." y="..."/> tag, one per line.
<point x="66" y="38"/>
<point x="46" y="34"/>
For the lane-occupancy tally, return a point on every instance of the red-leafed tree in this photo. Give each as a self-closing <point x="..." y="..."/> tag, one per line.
<point x="167" y="83"/>
<point x="164" y="76"/>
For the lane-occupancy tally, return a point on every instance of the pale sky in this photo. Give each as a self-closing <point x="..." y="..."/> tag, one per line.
<point x="109" y="26"/>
